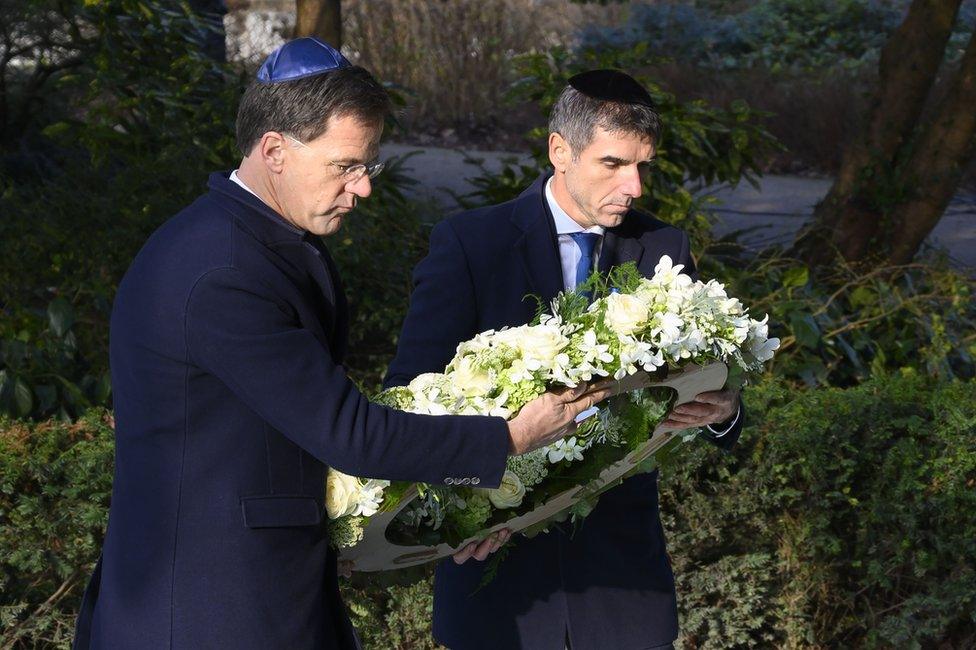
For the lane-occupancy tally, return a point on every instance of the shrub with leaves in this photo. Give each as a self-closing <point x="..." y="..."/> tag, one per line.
<point x="843" y="518"/>
<point x="122" y="139"/>
<point x="845" y="326"/>
<point x="55" y="484"/>
<point x="781" y="36"/>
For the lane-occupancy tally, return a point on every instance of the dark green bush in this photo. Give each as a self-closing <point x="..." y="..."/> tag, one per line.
<point x="123" y="139"/>
<point x="55" y="484"/>
<point x="845" y="326"/>
<point x="777" y="35"/>
<point x="843" y="518"/>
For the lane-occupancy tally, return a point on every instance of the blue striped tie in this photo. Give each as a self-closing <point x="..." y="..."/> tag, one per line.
<point x="587" y="244"/>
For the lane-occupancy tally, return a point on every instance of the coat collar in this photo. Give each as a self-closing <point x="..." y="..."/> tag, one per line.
<point x="619" y="247"/>
<point x="259" y="218"/>
<point x="299" y="247"/>
<point x="539" y="246"/>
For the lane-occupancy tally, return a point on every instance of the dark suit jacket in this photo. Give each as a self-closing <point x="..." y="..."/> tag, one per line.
<point x="610" y="584"/>
<point x="227" y="335"/>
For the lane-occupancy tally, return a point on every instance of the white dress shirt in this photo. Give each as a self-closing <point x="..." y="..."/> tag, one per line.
<point x="237" y="179"/>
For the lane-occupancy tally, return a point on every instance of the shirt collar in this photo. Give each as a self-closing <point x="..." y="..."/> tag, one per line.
<point x="565" y="223"/>
<point x="237" y="179"/>
<point x="262" y="219"/>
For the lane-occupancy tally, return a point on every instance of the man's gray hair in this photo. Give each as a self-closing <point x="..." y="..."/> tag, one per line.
<point x="575" y="117"/>
<point x="302" y="108"/>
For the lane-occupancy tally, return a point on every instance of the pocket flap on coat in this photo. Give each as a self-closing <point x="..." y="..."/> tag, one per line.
<point x="279" y="510"/>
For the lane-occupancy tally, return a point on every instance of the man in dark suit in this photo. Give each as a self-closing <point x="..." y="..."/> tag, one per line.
<point x="227" y="338"/>
<point x="608" y="585"/>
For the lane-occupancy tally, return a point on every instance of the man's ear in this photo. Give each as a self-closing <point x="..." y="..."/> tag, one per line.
<point x="560" y="153"/>
<point x="271" y="150"/>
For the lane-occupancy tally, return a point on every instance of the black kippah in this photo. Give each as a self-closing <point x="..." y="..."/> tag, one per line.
<point x="611" y="86"/>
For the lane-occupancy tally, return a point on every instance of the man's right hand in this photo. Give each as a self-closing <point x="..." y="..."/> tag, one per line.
<point x="551" y="416"/>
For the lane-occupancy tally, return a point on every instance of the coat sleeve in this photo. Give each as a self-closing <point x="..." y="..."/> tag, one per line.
<point x="442" y="313"/>
<point x="723" y="435"/>
<point x="238" y="331"/>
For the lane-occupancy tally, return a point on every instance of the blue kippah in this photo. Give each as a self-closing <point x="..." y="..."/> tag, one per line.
<point x="302" y="57"/>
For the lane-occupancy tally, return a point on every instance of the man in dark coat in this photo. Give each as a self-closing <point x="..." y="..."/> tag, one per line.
<point x="608" y="585"/>
<point x="227" y="338"/>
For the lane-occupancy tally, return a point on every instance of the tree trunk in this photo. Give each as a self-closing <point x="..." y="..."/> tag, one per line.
<point x="937" y="162"/>
<point x="321" y="18"/>
<point x="849" y="219"/>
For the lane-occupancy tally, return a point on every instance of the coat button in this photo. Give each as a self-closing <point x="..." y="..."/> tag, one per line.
<point x="449" y="480"/>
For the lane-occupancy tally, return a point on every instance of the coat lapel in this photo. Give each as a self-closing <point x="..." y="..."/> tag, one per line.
<point x="336" y="295"/>
<point x="619" y="249"/>
<point x="537" y="245"/>
<point x="302" y="256"/>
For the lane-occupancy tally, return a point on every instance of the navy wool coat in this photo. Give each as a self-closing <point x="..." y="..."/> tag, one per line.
<point x="227" y="336"/>
<point x="608" y="585"/>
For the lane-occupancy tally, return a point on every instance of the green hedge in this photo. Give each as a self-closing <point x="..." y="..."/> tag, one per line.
<point x="844" y="518"/>
<point x="55" y="485"/>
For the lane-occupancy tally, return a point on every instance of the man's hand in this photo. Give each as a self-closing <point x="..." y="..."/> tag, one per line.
<point x="481" y="550"/>
<point x="550" y="416"/>
<point x="706" y="408"/>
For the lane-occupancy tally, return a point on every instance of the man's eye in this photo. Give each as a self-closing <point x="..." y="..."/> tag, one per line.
<point x="611" y="165"/>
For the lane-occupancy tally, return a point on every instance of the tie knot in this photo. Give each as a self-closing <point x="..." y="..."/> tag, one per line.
<point x="586" y="242"/>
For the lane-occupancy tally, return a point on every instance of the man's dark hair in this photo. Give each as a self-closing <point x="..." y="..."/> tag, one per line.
<point x="302" y="108"/>
<point x="576" y="116"/>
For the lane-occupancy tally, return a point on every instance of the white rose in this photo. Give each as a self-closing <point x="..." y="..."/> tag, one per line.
<point x="341" y="494"/>
<point x="540" y="342"/>
<point x="510" y="493"/>
<point x="508" y="336"/>
<point x="625" y="313"/>
<point x="469" y="379"/>
<point x="543" y="342"/>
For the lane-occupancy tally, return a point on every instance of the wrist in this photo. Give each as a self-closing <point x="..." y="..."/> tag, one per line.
<point x="515" y="438"/>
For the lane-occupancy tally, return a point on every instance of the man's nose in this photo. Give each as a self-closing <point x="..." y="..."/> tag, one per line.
<point x="361" y="187"/>
<point x="632" y="185"/>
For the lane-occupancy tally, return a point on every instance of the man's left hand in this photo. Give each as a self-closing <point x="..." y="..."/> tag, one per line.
<point x="707" y="408"/>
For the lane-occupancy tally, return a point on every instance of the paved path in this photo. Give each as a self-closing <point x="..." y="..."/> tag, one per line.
<point x="772" y="214"/>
